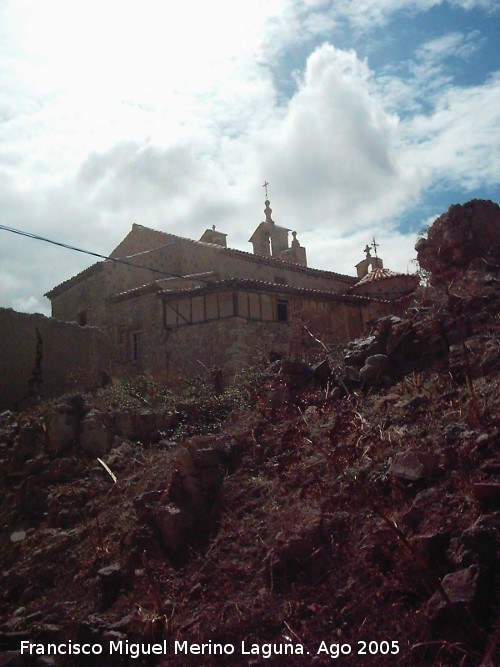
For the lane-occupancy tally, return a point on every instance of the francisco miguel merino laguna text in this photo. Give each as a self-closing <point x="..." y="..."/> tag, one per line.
<point x="134" y="650"/>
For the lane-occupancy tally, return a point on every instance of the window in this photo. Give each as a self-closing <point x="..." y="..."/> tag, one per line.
<point x="137" y="346"/>
<point x="82" y="318"/>
<point x="282" y="310"/>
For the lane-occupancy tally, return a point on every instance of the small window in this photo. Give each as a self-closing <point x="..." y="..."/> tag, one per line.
<point x="82" y="318"/>
<point x="282" y="310"/>
<point x="137" y="346"/>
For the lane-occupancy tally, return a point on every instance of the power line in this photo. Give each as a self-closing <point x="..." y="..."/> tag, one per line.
<point x="36" y="237"/>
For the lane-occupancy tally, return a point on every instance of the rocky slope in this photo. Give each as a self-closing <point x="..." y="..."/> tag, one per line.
<point x="345" y="511"/>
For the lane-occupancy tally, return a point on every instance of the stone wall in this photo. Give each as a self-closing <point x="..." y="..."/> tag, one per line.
<point x="43" y="357"/>
<point x="229" y="345"/>
<point x="182" y="335"/>
<point x="83" y="298"/>
<point x="234" y="343"/>
<point x="139" y="336"/>
<point x="87" y="296"/>
<point x="87" y="292"/>
<point x="184" y="256"/>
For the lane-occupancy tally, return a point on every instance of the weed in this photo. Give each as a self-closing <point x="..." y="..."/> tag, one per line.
<point x="135" y="393"/>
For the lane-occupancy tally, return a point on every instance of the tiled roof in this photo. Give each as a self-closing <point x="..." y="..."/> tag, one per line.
<point x="62" y="287"/>
<point x="249" y="284"/>
<point x="247" y="256"/>
<point x="273" y="261"/>
<point x="161" y="285"/>
<point x="379" y="274"/>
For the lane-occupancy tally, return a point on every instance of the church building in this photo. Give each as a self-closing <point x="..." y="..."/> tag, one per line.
<point x="173" y="306"/>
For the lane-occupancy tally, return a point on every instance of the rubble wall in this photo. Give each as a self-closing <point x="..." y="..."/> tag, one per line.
<point x="43" y="357"/>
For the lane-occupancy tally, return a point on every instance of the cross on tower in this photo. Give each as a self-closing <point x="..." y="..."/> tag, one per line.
<point x="265" y="186"/>
<point x="375" y="246"/>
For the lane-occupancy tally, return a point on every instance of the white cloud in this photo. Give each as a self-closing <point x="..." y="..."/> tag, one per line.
<point x="334" y="143"/>
<point x="452" y="44"/>
<point x="30" y="305"/>
<point x="490" y="6"/>
<point x="329" y="153"/>
<point x="331" y="142"/>
<point x="416" y="85"/>
<point x="459" y="142"/>
<point x="368" y="14"/>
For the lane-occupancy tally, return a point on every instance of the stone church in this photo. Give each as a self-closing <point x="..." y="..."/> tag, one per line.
<point x="173" y="306"/>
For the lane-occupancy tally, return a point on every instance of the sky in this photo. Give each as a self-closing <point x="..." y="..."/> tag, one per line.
<point x="368" y="118"/>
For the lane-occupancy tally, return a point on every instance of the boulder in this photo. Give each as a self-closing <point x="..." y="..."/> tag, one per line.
<point x="91" y="629"/>
<point x="457" y="238"/>
<point x="96" y="437"/>
<point x="144" y="426"/>
<point x="374" y="369"/>
<point x="413" y="465"/>
<point x="468" y="597"/>
<point x="201" y="472"/>
<point x="18" y="536"/>
<point x="401" y="337"/>
<point x="359" y="350"/>
<point x="481" y="541"/>
<point x="185" y="513"/>
<point x="125" y="424"/>
<point x="433" y="546"/>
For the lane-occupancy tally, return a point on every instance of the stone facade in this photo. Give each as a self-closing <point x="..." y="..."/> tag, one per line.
<point x="227" y="324"/>
<point x="42" y="357"/>
<point x="172" y="305"/>
<point x="86" y="293"/>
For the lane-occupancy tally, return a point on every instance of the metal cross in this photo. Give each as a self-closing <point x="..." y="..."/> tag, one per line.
<point x="265" y="186"/>
<point x="375" y="245"/>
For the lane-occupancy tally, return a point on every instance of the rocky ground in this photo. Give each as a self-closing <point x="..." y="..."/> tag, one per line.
<point x="348" y="508"/>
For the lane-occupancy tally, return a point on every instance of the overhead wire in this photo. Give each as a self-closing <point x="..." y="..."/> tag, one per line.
<point x="119" y="260"/>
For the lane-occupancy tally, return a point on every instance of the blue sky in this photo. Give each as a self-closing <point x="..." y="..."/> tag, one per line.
<point x="368" y="118"/>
